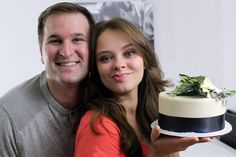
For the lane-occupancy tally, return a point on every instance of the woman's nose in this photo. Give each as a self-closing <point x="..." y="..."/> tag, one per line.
<point x="119" y="64"/>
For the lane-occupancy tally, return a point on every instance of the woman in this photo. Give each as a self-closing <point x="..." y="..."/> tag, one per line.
<point x="125" y="82"/>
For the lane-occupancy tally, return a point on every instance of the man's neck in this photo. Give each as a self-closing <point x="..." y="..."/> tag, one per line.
<point x="67" y="96"/>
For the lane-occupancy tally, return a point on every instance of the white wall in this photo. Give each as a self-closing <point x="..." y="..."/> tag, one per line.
<point x="19" y="53"/>
<point x="190" y="37"/>
<point x="229" y="59"/>
<point x="198" y="37"/>
<point x="195" y="37"/>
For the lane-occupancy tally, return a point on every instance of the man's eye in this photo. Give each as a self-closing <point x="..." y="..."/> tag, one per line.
<point x="55" y="41"/>
<point x="104" y="59"/>
<point x="76" y="40"/>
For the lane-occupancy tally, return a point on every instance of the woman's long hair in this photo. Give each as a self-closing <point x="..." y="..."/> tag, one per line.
<point x="104" y="103"/>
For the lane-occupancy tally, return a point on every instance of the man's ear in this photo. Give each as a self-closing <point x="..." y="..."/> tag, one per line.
<point x="40" y="48"/>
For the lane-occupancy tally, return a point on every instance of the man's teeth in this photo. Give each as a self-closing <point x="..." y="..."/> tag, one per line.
<point x="68" y="64"/>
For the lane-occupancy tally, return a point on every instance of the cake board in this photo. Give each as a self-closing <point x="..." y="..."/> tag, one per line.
<point x="224" y="131"/>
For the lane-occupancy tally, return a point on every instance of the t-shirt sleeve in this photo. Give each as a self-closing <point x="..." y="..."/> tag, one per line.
<point x="105" y="144"/>
<point x="8" y="146"/>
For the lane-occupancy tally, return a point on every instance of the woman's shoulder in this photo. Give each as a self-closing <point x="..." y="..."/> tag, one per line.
<point x="102" y="123"/>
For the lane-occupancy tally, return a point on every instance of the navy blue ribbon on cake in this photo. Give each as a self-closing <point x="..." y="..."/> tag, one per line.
<point x="198" y="125"/>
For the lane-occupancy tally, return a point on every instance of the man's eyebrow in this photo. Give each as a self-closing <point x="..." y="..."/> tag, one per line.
<point x="73" y="35"/>
<point x="54" y="36"/>
<point x="79" y="34"/>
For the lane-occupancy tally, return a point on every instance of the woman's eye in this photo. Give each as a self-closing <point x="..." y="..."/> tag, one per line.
<point x="130" y="53"/>
<point x="104" y="59"/>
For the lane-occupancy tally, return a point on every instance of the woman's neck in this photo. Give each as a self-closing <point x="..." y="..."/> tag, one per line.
<point x="129" y="101"/>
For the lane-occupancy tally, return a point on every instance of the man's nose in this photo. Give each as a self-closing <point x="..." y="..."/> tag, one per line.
<point x="66" y="49"/>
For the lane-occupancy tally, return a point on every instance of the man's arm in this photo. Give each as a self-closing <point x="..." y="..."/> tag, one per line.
<point x="8" y="146"/>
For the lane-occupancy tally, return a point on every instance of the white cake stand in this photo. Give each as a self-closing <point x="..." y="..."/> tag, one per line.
<point x="224" y="131"/>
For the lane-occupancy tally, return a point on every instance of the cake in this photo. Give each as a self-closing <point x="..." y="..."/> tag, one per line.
<point x="190" y="113"/>
<point x="195" y="105"/>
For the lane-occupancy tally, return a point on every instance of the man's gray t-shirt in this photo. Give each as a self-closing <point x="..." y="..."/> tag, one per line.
<point x="34" y="124"/>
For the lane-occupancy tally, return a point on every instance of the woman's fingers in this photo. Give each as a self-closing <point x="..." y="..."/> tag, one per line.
<point x="155" y="133"/>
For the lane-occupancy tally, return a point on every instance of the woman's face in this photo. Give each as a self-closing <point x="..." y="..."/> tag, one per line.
<point x="119" y="63"/>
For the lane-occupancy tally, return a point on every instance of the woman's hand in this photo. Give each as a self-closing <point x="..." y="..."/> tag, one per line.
<point x="162" y="145"/>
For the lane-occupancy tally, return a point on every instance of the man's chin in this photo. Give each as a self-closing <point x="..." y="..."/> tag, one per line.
<point x="73" y="80"/>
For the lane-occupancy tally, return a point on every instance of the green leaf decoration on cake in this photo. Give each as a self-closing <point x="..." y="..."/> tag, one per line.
<point x="199" y="86"/>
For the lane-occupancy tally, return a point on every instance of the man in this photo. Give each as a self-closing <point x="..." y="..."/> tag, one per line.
<point x="37" y="117"/>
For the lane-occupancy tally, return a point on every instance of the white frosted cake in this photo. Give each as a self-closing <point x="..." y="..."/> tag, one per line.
<point x="190" y="113"/>
<point x="190" y="106"/>
<point x="194" y="106"/>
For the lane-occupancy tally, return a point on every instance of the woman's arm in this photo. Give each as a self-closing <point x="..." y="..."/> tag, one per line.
<point x="163" y="146"/>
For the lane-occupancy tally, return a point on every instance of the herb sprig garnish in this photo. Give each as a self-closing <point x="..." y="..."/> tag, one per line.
<point x="199" y="86"/>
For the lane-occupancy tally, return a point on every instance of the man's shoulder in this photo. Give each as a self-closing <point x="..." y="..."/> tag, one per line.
<point x="21" y="90"/>
<point x="23" y="102"/>
<point x="22" y="95"/>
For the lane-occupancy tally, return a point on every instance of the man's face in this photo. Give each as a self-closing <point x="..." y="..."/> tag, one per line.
<point x="64" y="50"/>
